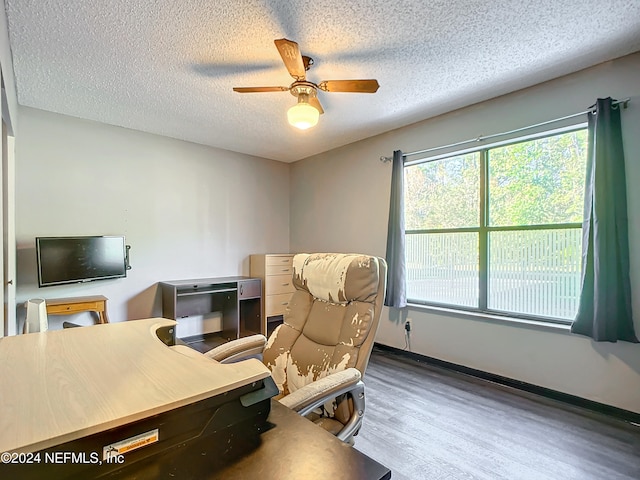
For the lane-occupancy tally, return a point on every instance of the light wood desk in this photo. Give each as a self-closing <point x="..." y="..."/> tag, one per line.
<point x="68" y="306"/>
<point x="62" y="385"/>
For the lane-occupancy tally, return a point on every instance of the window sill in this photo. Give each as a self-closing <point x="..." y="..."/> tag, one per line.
<point x="487" y="317"/>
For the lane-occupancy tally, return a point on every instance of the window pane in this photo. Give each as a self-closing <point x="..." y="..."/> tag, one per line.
<point x="538" y="182"/>
<point x="535" y="272"/>
<point x="443" y="268"/>
<point x="443" y="193"/>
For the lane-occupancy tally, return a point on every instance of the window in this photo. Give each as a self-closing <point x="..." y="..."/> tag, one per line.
<point x="499" y="229"/>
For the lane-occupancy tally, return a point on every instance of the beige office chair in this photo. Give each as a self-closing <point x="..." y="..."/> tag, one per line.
<point x="319" y="354"/>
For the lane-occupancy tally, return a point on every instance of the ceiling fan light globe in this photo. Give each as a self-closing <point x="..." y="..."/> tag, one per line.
<point x="303" y="116"/>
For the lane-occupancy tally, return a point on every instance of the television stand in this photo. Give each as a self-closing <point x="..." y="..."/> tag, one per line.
<point x="69" y="306"/>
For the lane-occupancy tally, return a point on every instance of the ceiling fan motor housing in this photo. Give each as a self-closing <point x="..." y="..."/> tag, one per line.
<point x="303" y="88"/>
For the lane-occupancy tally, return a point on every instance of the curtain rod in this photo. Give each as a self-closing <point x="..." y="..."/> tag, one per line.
<point x="383" y="159"/>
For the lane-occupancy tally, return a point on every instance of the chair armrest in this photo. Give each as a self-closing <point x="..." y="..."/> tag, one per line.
<point x="239" y="349"/>
<point x="311" y="396"/>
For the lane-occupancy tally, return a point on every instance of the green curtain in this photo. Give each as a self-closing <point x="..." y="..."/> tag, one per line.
<point x="604" y="313"/>
<point x="396" y="295"/>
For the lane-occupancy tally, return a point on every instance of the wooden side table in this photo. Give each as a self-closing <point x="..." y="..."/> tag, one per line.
<point x="68" y="306"/>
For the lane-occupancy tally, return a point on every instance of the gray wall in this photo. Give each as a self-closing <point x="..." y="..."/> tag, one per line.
<point x="340" y="202"/>
<point x="187" y="210"/>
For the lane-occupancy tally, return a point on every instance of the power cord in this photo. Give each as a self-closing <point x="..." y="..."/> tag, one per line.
<point x="407" y="335"/>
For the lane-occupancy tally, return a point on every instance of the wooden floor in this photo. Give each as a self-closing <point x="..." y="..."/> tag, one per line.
<point x="425" y="422"/>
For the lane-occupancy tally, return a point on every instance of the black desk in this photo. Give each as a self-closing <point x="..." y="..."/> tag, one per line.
<point x="239" y="299"/>
<point x="292" y="449"/>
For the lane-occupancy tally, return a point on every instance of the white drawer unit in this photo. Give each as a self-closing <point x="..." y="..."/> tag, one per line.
<point x="279" y="284"/>
<point x="276" y="271"/>
<point x="277" y="304"/>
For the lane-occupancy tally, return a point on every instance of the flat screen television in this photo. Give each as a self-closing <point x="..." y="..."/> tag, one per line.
<point x="63" y="260"/>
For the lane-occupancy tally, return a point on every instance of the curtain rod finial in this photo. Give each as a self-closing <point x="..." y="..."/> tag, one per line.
<point x="384" y="159"/>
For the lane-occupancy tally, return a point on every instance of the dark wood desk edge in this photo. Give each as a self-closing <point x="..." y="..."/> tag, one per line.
<point x="290" y="448"/>
<point x="212" y="280"/>
<point x="374" y="469"/>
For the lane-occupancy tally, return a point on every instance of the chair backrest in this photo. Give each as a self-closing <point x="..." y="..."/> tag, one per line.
<point x="331" y="320"/>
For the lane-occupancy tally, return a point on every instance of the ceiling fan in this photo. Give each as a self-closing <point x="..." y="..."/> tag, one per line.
<point x="308" y="109"/>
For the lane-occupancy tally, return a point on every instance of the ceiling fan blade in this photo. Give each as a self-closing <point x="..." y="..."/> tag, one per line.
<point x="260" y="89"/>
<point x="314" y="102"/>
<point x="291" y="57"/>
<point x="353" y="86"/>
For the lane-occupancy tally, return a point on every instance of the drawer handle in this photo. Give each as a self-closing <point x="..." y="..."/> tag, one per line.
<point x="285" y="269"/>
<point x="285" y="260"/>
<point x="285" y="284"/>
<point x="285" y="303"/>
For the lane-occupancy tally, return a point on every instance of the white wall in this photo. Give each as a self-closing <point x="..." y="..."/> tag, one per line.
<point x="340" y="202"/>
<point x="187" y="210"/>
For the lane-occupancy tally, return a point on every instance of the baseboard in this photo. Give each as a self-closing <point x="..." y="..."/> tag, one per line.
<point x="601" y="408"/>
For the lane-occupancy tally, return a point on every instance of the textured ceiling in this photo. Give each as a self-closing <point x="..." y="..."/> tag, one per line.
<point x="168" y="66"/>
